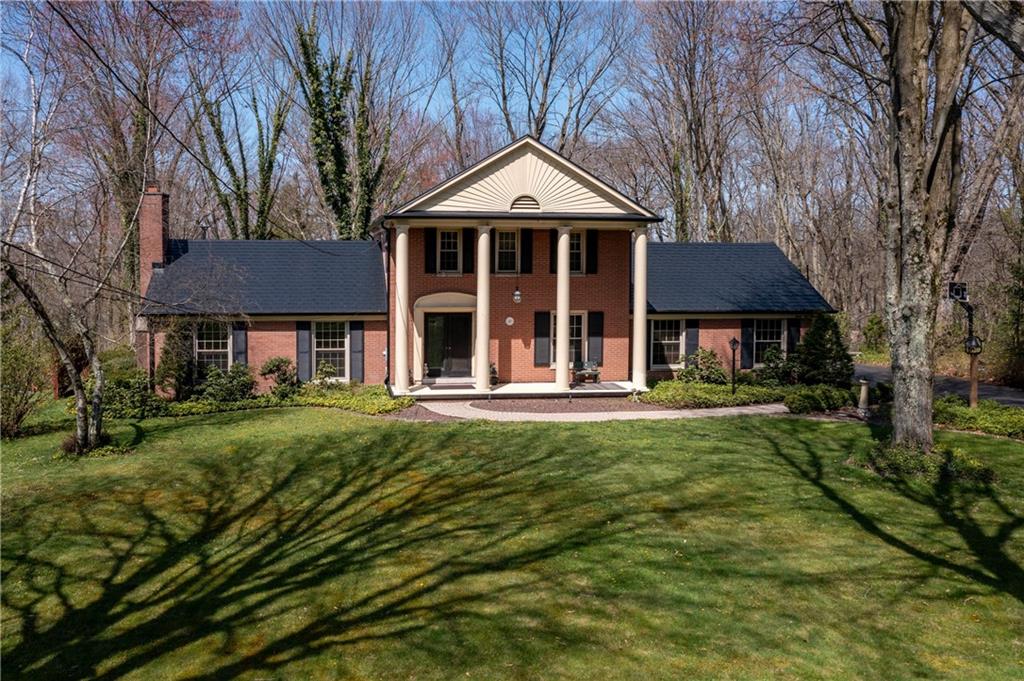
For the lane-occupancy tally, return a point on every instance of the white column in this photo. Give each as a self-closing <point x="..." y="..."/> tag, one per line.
<point x="400" y="380"/>
<point x="562" y="312"/>
<point x="483" y="308"/>
<point x="640" y="307"/>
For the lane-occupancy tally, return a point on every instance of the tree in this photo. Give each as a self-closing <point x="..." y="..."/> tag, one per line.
<point x="326" y="82"/>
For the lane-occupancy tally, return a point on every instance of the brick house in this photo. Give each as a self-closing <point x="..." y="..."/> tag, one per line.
<point x="504" y="279"/>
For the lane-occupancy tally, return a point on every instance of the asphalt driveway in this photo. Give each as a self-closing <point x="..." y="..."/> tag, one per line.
<point x="945" y="385"/>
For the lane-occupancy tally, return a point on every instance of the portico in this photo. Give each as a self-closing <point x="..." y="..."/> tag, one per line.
<point x="525" y="278"/>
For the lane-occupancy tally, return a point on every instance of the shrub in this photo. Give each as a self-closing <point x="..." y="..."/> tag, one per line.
<point x="822" y="356"/>
<point x="282" y="370"/>
<point x="903" y="462"/>
<point x="990" y="416"/>
<point x="119" y="363"/>
<point x="776" y="369"/>
<point x="817" y="398"/>
<point x="875" y="334"/>
<point x="682" y="395"/>
<point x="703" y="366"/>
<point x="23" y="374"/>
<point x="176" y="372"/>
<point x="128" y="396"/>
<point x="234" y="385"/>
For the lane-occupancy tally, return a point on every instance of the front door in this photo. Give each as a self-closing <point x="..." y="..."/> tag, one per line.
<point x="449" y="338"/>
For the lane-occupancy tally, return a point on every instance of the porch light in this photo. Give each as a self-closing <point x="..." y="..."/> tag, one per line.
<point x="517" y="296"/>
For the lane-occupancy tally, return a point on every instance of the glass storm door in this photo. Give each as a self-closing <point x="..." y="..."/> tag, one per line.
<point x="448" y="350"/>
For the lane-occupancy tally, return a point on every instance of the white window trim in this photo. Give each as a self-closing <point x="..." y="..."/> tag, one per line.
<point x="348" y="350"/>
<point x="458" y="246"/>
<point x="231" y="343"/>
<point x="497" y="251"/>
<point x="583" y="339"/>
<point x="583" y="252"/>
<point x="682" y="345"/>
<point x="781" y="342"/>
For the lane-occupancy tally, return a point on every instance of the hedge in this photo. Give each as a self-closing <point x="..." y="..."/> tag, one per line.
<point x="817" y="398"/>
<point x="681" y="395"/>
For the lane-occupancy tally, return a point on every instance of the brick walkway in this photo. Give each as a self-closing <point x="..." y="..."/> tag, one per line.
<point x="464" y="410"/>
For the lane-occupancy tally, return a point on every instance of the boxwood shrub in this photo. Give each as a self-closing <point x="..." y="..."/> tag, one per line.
<point x="682" y="395"/>
<point x="817" y="398"/>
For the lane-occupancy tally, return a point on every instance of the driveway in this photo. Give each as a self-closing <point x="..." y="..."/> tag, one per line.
<point x="949" y="385"/>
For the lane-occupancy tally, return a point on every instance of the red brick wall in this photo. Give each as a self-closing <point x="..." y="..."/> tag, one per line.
<point x="265" y="340"/>
<point x="512" y="347"/>
<point x="375" y="340"/>
<point x="268" y="339"/>
<point x="715" y="334"/>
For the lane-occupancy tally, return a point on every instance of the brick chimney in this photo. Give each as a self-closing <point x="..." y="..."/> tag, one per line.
<point x="152" y="234"/>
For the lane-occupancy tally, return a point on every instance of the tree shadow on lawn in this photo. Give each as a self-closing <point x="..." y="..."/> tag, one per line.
<point x="254" y="562"/>
<point x="956" y="506"/>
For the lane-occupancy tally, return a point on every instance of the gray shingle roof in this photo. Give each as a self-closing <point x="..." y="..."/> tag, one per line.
<point x="716" y="277"/>
<point x="269" y="277"/>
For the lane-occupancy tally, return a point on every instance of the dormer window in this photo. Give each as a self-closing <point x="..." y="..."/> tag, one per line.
<point x="525" y="204"/>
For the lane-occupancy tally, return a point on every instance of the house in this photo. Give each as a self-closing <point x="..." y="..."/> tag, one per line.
<point x="519" y="269"/>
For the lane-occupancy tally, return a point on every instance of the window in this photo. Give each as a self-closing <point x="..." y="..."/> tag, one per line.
<point x="449" y="257"/>
<point x="666" y="342"/>
<point x="576" y="252"/>
<point x="577" y="350"/>
<point x="507" y="252"/>
<point x="213" y="345"/>
<point x="767" y="334"/>
<point x="329" y="345"/>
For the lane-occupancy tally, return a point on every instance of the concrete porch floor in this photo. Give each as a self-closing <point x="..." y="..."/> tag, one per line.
<point x="461" y="391"/>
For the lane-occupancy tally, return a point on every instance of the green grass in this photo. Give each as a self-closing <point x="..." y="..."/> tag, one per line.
<point x="316" y="544"/>
<point x="874" y="358"/>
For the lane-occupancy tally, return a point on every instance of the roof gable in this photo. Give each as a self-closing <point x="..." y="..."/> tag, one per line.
<point x="511" y="176"/>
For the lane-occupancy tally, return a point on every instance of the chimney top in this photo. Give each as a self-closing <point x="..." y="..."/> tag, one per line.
<point x="152" y="187"/>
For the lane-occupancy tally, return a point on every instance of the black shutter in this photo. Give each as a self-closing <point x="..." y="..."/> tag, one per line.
<point x="553" y="251"/>
<point x="468" y="249"/>
<point x="303" y="362"/>
<point x="494" y="251"/>
<point x="747" y="344"/>
<point x="430" y="250"/>
<point x="355" y="341"/>
<point x="792" y="334"/>
<point x="592" y="239"/>
<point x="239" y="346"/>
<point x="526" y="251"/>
<point x="692" y="337"/>
<point x="541" y="338"/>
<point x="595" y="337"/>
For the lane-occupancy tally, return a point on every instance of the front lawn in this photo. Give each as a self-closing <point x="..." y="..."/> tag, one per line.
<point x="314" y="544"/>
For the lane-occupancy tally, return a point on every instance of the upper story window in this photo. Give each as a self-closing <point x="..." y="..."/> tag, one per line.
<point x="330" y="346"/>
<point x="507" y="251"/>
<point x="767" y="334"/>
<point x="213" y="345"/>
<point x="576" y="252"/>
<point x="449" y="251"/>
<point x="577" y="348"/>
<point x="666" y="342"/>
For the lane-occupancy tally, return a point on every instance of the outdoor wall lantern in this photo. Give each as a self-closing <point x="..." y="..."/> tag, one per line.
<point x="517" y="296"/>
<point x="734" y="345"/>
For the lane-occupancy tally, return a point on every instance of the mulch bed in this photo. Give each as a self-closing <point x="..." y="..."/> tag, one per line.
<point x="562" y="405"/>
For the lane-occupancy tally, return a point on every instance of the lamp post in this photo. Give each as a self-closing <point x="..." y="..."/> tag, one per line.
<point x="734" y="345"/>
<point x="972" y="346"/>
